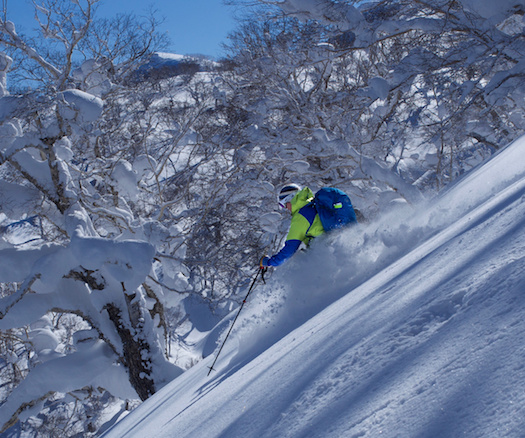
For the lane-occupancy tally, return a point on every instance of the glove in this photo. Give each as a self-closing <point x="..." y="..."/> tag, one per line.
<point x="263" y="263"/>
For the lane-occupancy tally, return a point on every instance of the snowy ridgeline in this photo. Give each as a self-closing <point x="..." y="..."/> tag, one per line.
<point x="425" y="338"/>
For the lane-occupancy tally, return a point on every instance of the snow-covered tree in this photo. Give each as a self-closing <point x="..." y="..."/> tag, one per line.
<point x="49" y="168"/>
<point x="85" y="273"/>
<point x="421" y="78"/>
<point x="70" y="33"/>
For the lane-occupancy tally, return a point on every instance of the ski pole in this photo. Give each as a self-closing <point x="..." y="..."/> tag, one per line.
<point x="233" y="323"/>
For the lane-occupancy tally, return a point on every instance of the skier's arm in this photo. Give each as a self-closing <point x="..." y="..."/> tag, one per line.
<point x="289" y="249"/>
<point x="296" y="236"/>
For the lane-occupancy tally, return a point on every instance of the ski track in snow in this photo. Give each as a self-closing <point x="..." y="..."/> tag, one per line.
<point x="430" y="345"/>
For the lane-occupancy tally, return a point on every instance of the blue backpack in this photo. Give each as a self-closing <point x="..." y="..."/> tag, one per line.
<point x="334" y="208"/>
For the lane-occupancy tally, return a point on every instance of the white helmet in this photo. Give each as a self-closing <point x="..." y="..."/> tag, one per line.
<point x="287" y="193"/>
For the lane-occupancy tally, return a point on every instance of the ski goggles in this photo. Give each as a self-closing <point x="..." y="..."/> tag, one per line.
<point x="285" y="199"/>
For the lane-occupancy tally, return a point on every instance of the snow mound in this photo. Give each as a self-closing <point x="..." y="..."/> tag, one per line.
<point x="81" y="106"/>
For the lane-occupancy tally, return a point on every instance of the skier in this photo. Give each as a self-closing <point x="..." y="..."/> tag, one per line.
<point x="305" y="224"/>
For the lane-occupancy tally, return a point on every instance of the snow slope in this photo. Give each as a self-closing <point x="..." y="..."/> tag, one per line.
<point x="412" y="326"/>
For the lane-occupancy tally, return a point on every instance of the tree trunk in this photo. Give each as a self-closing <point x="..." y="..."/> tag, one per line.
<point x="135" y="354"/>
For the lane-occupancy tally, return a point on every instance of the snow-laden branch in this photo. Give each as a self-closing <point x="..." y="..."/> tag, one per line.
<point x="342" y="15"/>
<point x="11" y="38"/>
<point x="92" y="365"/>
<point x="7" y="303"/>
<point x="55" y="28"/>
<point x="5" y="64"/>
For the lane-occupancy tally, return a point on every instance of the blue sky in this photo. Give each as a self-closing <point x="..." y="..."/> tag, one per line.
<point x="194" y="26"/>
